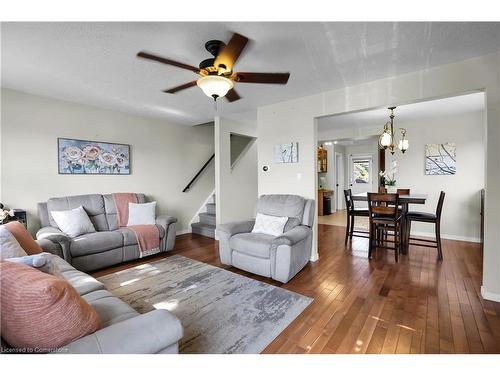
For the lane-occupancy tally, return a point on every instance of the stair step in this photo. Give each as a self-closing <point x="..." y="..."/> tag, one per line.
<point x="207" y="218"/>
<point x="210" y="208"/>
<point x="206" y="230"/>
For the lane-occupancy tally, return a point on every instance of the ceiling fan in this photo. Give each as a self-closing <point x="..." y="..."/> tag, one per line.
<point x="217" y="76"/>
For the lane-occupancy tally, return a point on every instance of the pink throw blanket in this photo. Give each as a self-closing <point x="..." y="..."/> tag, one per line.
<point x="148" y="236"/>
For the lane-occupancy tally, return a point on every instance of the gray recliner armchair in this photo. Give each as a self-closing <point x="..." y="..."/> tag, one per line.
<point x="281" y="257"/>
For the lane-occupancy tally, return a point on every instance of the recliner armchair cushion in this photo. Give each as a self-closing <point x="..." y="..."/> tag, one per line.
<point x="92" y="203"/>
<point x="110" y="209"/>
<point x="291" y="206"/>
<point x="93" y="243"/>
<point x="254" y="244"/>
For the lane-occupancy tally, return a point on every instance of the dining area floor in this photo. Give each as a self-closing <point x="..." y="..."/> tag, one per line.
<point x="418" y="305"/>
<point x="339" y="218"/>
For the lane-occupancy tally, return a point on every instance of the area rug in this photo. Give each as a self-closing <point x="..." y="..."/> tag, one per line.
<point x="221" y="311"/>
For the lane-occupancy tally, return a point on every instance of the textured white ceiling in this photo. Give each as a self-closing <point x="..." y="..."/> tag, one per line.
<point x="95" y="63"/>
<point x="455" y="105"/>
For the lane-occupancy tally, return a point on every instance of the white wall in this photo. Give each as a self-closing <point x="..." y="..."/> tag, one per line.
<point x="164" y="156"/>
<point x="295" y="120"/>
<point x="461" y="218"/>
<point x="235" y="188"/>
<point x="461" y="212"/>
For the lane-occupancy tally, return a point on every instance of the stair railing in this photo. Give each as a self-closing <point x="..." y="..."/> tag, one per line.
<point x="188" y="186"/>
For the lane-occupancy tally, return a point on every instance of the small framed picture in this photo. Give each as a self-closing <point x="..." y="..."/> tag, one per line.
<point x="286" y="153"/>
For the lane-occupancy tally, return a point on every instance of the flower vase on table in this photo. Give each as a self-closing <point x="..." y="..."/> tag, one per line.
<point x="389" y="177"/>
<point x="391" y="189"/>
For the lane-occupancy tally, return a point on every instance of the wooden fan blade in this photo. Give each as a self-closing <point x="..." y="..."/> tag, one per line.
<point x="231" y="52"/>
<point x="173" y="90"/>
<point x="232" y="95"/>
<point x="275" y="78"/>
<point x="163" y="60"/>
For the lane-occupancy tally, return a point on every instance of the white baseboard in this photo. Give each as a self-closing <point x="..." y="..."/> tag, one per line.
<point x="447" y="236"/>
<point x="489" y="295"/>
<point x="183" y="231"/>
<point x="314" y="257"/>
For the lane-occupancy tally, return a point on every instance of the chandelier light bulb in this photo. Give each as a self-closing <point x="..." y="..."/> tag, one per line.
<point x="385" y="140"/>
<point x="403" y="145"/>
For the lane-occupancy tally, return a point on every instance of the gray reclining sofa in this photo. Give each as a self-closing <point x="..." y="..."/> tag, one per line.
<point x="281" y="257"/>
<point x="109" y="245"/>
<point x="124" y="330"/>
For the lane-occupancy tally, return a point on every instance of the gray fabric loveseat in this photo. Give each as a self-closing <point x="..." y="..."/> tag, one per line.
<point x="124" y="330"/>
<point x="280" y="257"/>
<point x="109" y="245"/>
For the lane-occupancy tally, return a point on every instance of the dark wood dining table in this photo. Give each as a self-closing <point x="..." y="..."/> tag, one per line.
<point x="404" y="201"/>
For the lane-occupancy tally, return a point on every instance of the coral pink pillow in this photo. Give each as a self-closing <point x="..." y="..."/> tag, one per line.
<point x="23" y="237"/>
<point x="41" y="311"/>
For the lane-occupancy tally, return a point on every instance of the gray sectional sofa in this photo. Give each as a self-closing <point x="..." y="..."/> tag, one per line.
<point x="109" y="245"/>
<point x="124" y="330"/>
<point x="281" y="257"/>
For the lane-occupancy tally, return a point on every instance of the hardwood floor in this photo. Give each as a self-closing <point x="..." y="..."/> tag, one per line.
<point x="419" y="305"/>
<point x="339" y="218"/>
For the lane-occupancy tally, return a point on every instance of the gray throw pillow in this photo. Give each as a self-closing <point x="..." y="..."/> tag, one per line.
<point x="42" y="262"/>
<point x="9" y="247"/>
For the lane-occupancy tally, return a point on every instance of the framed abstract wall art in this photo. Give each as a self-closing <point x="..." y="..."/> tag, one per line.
<point x="286" y="153"/>
<point x="440" y="159"/>
<point x="76" y="156"/>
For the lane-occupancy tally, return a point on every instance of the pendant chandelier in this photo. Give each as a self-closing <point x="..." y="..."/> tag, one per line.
<point x="387" y="139"/>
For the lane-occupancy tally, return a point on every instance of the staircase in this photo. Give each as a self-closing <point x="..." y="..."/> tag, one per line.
<point x="206" y="224"/>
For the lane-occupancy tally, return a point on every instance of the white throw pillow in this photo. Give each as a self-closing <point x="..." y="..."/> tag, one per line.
<point x="73" y="222"/>
<point x="267" y="224"/>
<point x="9" y="247"/>
<point x="141" y="213"/>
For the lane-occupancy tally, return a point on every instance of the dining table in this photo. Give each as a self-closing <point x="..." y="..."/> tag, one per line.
<point x="404" y="201"/>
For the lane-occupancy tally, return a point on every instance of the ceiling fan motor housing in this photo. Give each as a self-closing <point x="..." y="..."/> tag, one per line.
<point x="214" y="46"/>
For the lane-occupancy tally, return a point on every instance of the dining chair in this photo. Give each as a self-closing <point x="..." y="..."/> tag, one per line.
<point x="426" y="217"/>
<point x="352" y="212"/>
<point x="384" y="217"/>
<point x="402" y="207"/>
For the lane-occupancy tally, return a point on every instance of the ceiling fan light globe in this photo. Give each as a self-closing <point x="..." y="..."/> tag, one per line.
<point x="215" y="85"/>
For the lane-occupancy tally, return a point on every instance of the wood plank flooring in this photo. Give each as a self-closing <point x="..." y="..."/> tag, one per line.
<point x="419" y="305"/>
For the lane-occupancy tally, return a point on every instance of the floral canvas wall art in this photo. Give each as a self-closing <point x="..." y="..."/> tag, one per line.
<point x="440" y="159"/>
<point x="77" y="156"/>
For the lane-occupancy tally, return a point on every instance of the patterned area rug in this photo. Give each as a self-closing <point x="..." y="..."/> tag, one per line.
<point x="221" y="312"/>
